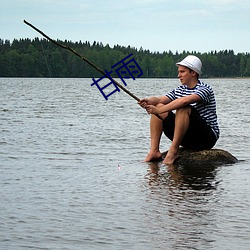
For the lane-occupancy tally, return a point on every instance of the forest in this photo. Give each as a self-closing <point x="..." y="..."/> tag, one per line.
<point x="41" y="58"/>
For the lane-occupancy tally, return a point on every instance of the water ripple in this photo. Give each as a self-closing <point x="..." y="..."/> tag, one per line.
<point x="72" y="175"/>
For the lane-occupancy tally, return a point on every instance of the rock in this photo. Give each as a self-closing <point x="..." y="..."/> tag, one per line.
<point x="213" y="157"/>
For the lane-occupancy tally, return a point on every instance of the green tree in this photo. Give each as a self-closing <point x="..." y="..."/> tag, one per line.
<point x="41" y="58"/>
<point x="247" y="69"/>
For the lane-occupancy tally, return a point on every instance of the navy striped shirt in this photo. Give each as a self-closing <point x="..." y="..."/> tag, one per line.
<point x="206" y="108"/>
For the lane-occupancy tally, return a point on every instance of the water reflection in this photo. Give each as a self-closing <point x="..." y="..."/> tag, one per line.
<point x="183" y="198"/>
<point x="183" y="177"/>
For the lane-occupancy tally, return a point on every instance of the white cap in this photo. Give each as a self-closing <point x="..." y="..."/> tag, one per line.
<point x="191" y="62"/>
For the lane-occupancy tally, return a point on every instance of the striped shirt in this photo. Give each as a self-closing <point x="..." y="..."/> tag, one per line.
<point x="206" y="108"/>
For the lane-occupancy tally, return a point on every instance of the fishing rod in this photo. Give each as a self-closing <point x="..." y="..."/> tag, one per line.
<point x="86" y="60"/>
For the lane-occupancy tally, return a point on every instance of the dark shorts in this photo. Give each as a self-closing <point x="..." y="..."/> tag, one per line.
<point x="199" y="135"/>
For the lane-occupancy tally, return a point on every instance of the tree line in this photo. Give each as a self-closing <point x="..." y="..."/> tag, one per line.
<point x="41" y="58"/>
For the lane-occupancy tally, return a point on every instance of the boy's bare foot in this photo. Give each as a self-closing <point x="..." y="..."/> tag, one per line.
<point x="153" y="156"/>
<point x="170" y="157"/>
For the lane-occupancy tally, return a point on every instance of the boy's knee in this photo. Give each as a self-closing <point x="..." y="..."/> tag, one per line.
<point x="184" y="110"/>
<point x="159" y="105"/>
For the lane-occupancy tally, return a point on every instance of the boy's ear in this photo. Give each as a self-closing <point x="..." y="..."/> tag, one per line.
<point x="193" y="73"/>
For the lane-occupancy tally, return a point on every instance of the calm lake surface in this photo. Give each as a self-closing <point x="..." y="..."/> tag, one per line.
<point x="72" y="175"/>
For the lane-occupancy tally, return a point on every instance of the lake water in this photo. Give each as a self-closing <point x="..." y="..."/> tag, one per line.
<point x="72" y="176"/>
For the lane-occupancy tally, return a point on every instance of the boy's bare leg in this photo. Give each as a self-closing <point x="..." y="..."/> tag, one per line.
<point x="181" y="127"/>
<point x="155" y="137"/>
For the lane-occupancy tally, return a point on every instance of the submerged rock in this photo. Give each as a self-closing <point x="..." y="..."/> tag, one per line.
<point x="204" y="157"/>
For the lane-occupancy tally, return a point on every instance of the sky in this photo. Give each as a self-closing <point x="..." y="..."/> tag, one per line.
<point x="155" y="25"/>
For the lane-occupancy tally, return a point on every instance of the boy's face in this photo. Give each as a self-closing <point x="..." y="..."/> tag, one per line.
<point x="185" y="75"/>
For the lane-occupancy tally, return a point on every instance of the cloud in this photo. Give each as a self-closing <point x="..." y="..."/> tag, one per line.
<point x="225" y="5"/>
<point x="153" y="24"/>
<point x="148" y="2"/>
<point x="84" y="6"/>
<point x="221" y="2"/>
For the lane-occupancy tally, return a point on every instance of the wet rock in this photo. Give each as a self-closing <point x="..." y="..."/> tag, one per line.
<point x="204" y="157"/>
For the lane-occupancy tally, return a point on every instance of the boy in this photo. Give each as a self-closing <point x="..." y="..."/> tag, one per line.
<point x="194" y="125"/>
